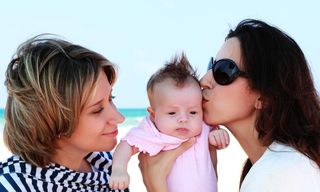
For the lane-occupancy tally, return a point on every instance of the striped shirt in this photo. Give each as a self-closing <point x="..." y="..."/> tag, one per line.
<point x="17" y="175"/>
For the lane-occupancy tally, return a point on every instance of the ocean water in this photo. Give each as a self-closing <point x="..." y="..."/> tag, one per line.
<point x="132" y="117"/>
<point x="1" y="119"/>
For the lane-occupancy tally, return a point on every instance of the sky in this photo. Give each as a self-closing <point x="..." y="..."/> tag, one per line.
<point x="140" y="35"/>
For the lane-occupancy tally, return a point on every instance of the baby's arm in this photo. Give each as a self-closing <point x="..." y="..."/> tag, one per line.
<point x="213" y="155"/>
<point x="119" y="177"/>
<point x="218" y="139"/>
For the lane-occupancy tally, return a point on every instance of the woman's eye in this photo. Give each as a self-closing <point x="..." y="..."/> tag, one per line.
<point x="193" y="112"/>
<point x="171" y="113"/>
<point x="98" y="111"/>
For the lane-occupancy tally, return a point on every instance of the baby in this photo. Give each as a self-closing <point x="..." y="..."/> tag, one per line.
<point x="175" y="116"/>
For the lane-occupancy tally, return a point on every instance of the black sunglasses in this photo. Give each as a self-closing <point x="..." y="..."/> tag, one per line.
<point x="225" y="71"/>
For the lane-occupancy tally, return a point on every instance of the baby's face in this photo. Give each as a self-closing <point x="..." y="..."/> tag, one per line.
<point x="178" y="110"/>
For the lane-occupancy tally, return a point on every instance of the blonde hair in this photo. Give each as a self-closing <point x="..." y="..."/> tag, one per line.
<point x="49" y="80"/>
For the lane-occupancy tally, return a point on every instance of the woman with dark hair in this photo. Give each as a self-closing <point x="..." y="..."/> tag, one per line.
<point x="260" y="88"/>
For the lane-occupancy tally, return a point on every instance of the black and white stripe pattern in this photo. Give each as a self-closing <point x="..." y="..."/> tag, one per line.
<point x="17" y="175"/>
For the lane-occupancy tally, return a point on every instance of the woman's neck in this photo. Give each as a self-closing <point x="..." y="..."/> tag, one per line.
<point x="71" y="158"/>
<point x="247" y="136"/>
<point x="252" y="148"/>
<point x="79" y="164"/>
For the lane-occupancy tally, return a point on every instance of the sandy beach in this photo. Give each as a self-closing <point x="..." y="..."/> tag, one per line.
<point x="230" y="161"/>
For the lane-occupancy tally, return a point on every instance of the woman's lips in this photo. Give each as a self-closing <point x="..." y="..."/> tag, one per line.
<point x="204" y="101"/>
<point x="111" y="134"/>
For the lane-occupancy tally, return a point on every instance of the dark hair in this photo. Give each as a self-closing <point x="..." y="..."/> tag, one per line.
<point x="178" y="69"/>
<point x="278" y="70"/>
<point x="48" y="81"/>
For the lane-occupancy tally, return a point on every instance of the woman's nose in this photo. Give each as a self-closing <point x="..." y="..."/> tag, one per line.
<point x="116" y="117"/>
<point x="205" y="93"/>
<point x="207" y="80"/>
<point x="207" y="83"/>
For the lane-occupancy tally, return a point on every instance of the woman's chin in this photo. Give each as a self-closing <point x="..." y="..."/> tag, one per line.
<point x="110" y="146"/>
<point x="207" y="119"/>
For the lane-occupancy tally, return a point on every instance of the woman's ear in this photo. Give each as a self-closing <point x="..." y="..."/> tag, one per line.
<point x="151" y="112"/>
<point x="259" y="103"/>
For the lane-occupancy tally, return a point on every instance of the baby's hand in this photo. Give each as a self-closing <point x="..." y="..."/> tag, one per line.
<point x="219" y="138"/>
<point x="119" y="179"/>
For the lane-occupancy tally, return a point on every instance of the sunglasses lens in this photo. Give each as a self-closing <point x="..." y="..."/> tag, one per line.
<point x="210" y="64"/>
<point x="224" y="72"/>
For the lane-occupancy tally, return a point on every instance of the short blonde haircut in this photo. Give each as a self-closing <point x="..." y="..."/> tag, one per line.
<point x="49" y="80"/>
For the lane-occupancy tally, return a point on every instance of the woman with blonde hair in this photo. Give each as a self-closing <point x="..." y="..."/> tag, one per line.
<point x="60" y="120"/>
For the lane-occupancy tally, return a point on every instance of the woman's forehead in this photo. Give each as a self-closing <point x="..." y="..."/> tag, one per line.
<point x="231" y="50"/>
<point x="101" y="89"/>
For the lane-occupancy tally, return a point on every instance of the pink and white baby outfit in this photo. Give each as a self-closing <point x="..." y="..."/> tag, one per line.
<point x="192" y="171"/>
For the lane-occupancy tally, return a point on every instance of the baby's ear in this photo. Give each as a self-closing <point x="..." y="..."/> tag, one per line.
<point x="151" y="112"/>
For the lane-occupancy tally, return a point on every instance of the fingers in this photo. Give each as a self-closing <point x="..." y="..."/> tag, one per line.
<point x="222" y="140"/>
<point x="119" y="181"/>
<point x="226" y="138"/>
<point x="155" y="169"/>
<point x="213" y="140"/>
<point x="219" y="138"/>
<point x="174" y="154"/>
<point x="119" y="185"/>
<point x="166" y="157"/>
